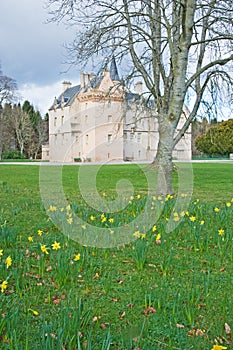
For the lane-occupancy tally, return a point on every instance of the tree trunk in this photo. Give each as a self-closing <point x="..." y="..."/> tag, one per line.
<point x="163" y="158"/>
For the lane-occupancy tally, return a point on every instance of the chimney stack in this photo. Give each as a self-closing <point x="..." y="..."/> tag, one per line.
<point x="66" y="85"/>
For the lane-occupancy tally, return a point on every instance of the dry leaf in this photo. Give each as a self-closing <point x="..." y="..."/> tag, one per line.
<point x="227" y="328"/>
<point x="96" y="276"/>
<point x="178" y="325"/>
<point x="149" y="310"/>
<point x="114" y="300"/>
<point x="102" y="325"/>
<point x="130" y="305"/>
<point x="122" y="315"/>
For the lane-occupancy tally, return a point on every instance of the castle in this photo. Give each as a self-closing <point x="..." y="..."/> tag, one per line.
<point x="100" y="121"/>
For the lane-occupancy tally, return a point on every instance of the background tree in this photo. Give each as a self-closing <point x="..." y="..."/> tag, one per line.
<point x="39" y="130"/>
<point x="8" y="89"/>
<point x="182" y="49"/>
<point x="218" y="140"/>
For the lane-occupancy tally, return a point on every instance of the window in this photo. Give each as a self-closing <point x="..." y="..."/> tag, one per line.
<point x="86" y="119"/>
<point x="125" y="136"/>
<point x="55" y="121"/>
<point x="62" y="139"/>
<point x="62" y="120"/>
<point x="87" y="137"/>
<point x="131" y="137"/>
<point x="109" y="118"/>
<point x="55" y="138"/>
<point x="109" y="138"/>
<point x="139" y="137"/>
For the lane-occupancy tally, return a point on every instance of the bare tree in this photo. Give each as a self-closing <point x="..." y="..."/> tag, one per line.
<point x="181" y="49"/>
<point x="22" y="126"/>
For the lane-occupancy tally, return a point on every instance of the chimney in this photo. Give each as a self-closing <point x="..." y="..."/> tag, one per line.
<point x="82" y="84"/>
<point x="138" y="87"/>
<point x="66" y="85"/>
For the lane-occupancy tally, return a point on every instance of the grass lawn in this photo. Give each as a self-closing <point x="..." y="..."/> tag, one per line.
<point x="163" y="290"/>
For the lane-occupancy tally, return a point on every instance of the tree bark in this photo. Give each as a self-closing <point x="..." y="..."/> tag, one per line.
<point x="163" y="158"/>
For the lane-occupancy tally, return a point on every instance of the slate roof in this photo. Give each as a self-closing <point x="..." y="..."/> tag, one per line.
<point x="113" y="70"/>
<point x="68" y="95"/>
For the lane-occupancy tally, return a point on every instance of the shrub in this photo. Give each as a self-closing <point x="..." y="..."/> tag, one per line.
<point x="12" y="154"/>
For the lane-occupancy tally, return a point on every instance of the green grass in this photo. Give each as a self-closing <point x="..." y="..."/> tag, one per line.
<point x="168" y="292"/>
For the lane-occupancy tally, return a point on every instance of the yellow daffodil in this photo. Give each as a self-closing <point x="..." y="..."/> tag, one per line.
<point x="56" y="246"/>
<point x="111" y="232"/>
<point x="176" y="218"/>
<point x="104" y="219"/>
<point x="111" y="220"/>
<point x="158" y="237"/>
<point x="143" y="236"/>
<point x="202" y="222"/>
<point x="39" y="232"/>
<point x="8" y="262"/>
<point x="30" y="238"/>
<point x="159" y="198"/>
<point x="136" y="234"/>
<point x="84" y="227"/>
<point x="52" y="208"/>
<point x="44" y="249"/>
<point x="216" y="210"/>
<point x="218" y="347"/>
<point x="3" y="286"/>
<point x="228" y="204"/>
<point x="68" y="207"/>
<point x="92" y="218"/>
<point x="221" y="232"/>
<point x="1" y="252"/>
<point x="35" y="313"/>
<point x="104" y="194"/>
<point x="69" y="220"/>
<point x="182" y="214"/>
<point x="138" y="196"/>
<point x="77" y="257"/>
<point x="154" y="228"/>
<point x="192" y="218"/>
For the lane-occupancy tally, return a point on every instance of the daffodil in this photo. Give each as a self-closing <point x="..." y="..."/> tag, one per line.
<point x="84" y="227"/>
<point x="192" y="218"/>
<point x="56" y="246"/>
<point x="154" y="228"/>
<point x="69" y="220"/>
<point x="221" y="232"/>
<point x="44" y="249"/>
<point x="202" y="222"/>
<point x="111" y="220"/>
<point x="35" y="313"/>
<point x="68" y="207"/>
<point x="92" y="218"/>
<point x="3" y="286"/>
<point x="158" y="237"/>
<point x="138" y="196"/>
<point x="8" y="262"/>
<point x="1" y="252"/>
<point x="136" y="234"/>
<point x="228" y="204"/>
<point x="30" y="238"/>
<point x="77" y="257"/>
<point x="218" y="347"/>
<point x="216" y="209"/>
<point x="143" y="236"/>
<point x="52" y="208"/>
<point x="39" y="232"/>
<point x="103" y="219"/>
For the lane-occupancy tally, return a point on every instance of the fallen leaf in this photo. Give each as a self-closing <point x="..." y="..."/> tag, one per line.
<point x="178" y="325"/>
<point x="102" y="325"/>
<point x="227" y="328"/>
<point x="114" y="300"/>
<point x="149" y="310"/>
<point x="96" y="276"/>
<point x="122" y="315"/>
<point x="130" y="305"/>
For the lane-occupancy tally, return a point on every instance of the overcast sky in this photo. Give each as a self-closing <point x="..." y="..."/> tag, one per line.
<point x="32" y="52"/>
